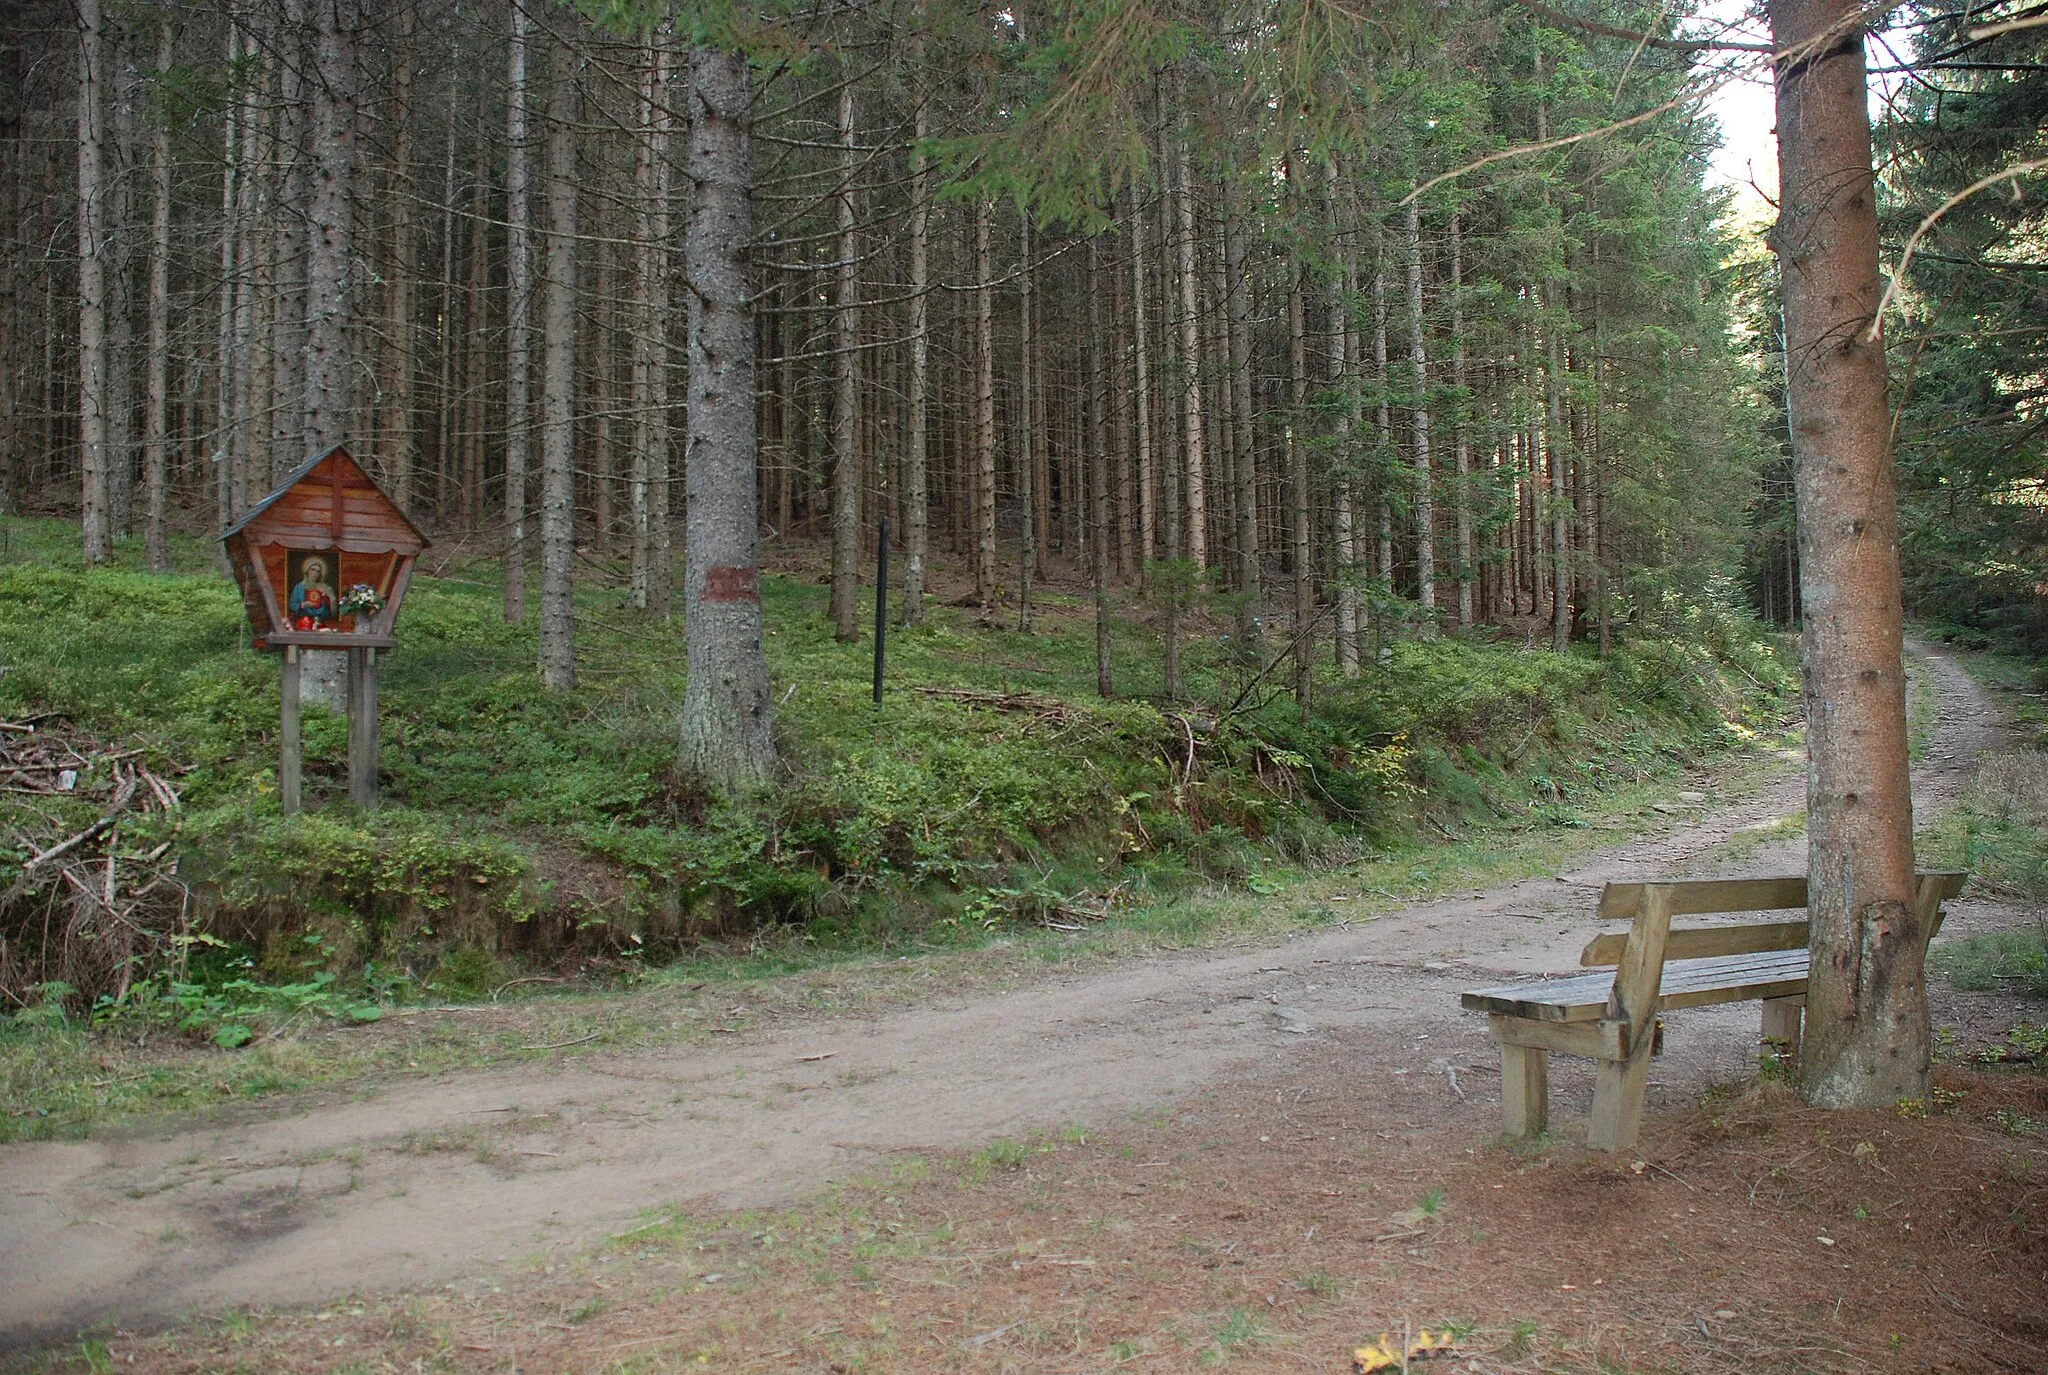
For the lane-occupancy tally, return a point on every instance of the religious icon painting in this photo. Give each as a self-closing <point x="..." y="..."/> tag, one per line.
<point x="311" y="603"/>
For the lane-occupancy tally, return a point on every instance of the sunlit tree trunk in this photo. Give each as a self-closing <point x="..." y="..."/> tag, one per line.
<point x="1867" y="1040"/>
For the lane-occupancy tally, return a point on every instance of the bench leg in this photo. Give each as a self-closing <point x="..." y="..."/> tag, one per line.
<point x="1524" y="1090"/>
<point x="1782" y="1024"/>
<point x="1618" y="1100"/>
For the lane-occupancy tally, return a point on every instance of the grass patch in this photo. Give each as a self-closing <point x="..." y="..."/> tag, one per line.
<point x="1996" y="962"/>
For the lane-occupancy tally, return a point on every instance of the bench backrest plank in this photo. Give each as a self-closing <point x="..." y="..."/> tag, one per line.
<point x="1703" y="942"/>
<point x="1625" y="901"/>
<point x="1622" y="901"/>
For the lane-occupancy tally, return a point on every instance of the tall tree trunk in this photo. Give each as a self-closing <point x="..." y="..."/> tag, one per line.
<point x="1192" y="436"/>
<point x="330" y="249"/>
<point x="727" y="732"/>
<point x="916" y="461"/>
<point x="1244" y="461"/>
<point x="156" y="411"/>
<point x="235" y="154"/>
<point x="278" y="187"/>
<point x="1098" y="473"/>
<point x="119" y="194"/>
<point x="1867" y="1041"/>
<point x="444" y="333"/>
<point x="1460" y="382"/>
<point x="1141" y="295"/>
<point x="650" y="338"/>
<point x="1027" y="459"/>
<point x="1556" y="444"/>
<point x="1418" y="378"/>
<point x="1337" y="366"/>
<point x="558" y="385"/>
<point x="518" y="315"/>
<point x="845" y="396"/>
<point x="1385" y="463"/>
<point x="92" y="282"/>
<point x="1301" y="556"/>
<point x="395" y="440"/>
<point x="476" y="357"/>
<point x="984" y="484"/>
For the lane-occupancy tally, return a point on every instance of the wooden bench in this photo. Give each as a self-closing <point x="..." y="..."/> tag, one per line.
<point x="1613" y="1018"/>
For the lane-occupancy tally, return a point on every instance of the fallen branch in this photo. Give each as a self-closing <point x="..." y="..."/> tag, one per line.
<point x="84" y="837"/>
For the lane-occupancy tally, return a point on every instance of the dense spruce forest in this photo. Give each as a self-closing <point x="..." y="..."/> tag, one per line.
<point x="1204" y="307"/>
<point x="1200" y="297"/>
<point x="1384" y="411"/>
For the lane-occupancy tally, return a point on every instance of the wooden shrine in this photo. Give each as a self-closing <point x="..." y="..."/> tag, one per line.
<point x="323" y="563"/>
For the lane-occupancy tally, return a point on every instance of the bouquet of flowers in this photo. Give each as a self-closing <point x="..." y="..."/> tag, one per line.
<point x="360" y="601"/>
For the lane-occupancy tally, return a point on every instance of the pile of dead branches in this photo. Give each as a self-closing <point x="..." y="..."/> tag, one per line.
<point x="1082" y="910"/>
<point x="1038" y="705"/>
<point x="76" y="907"/>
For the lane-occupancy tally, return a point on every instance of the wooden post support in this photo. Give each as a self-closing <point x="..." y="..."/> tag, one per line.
<point x="1618" y="1086"/>
<point x="1781" y="1024"/>
<point x="288" y="753"/>
<point x="362" y="727"/>
<point x="1524" y="1090"/>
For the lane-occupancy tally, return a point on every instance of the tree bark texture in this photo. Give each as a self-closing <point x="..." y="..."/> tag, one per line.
<point x="984" y="483"/>
<point x="156" y="406"/>
<point x="518" y="314"/>
<point x="1867" y="1040"/>
<point x="845" y="395"/>
<point x="1418" y="379"/>
<point x="558" y="394"/>
<point x="92" y="282"/>
<point x="916" y="472"/>
<point x="330" y="247"/>
<point x="727" y="729"/>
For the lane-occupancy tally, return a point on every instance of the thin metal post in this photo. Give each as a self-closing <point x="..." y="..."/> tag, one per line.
<point x="881" y="602"/>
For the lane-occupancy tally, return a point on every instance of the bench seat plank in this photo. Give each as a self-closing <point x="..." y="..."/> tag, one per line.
<point x="1686" y="983"/>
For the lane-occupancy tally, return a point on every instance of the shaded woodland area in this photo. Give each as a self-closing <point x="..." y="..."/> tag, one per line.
<point x="1180" y="306"/>
<point x="1214" y="344"/>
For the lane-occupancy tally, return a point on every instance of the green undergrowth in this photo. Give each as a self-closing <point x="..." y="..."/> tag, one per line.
<point x="1998" y="830"/>
<point x="526" y="832"/>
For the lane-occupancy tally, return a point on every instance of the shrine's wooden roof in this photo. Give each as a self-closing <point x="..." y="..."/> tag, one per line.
<point x="330" y="502"/>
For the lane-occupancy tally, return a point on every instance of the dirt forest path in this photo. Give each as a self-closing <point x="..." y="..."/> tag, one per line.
<point x="428" y="1182"/>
